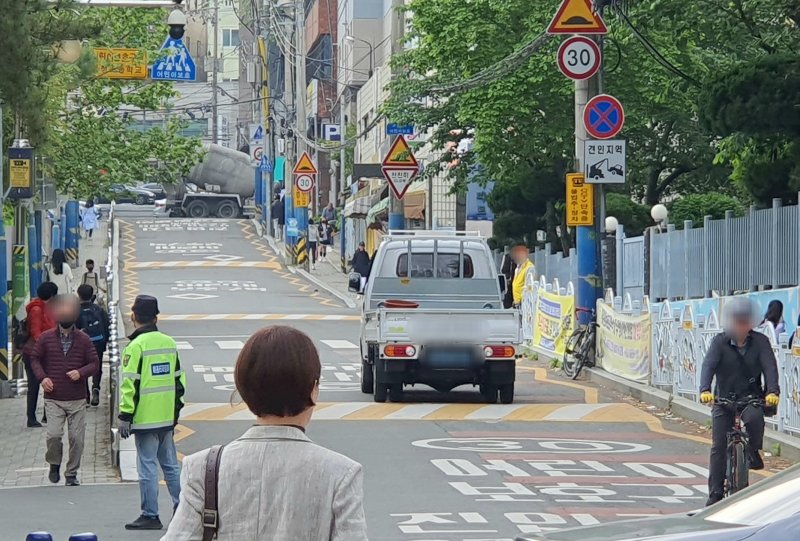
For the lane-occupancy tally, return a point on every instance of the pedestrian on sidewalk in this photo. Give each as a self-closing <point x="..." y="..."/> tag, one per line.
<point x="59" y="272"/>
<point x="273" y="482"/>
<point x="361" y="264"/>
<point x="153" y="385"/>
<point x="521" y="256"/>
<point x="329" y="214"/>
<point x="92" y="278"/>
<point x="89" y="218"/>
<point x="313" y="241"/>
<point x="64" y="359"/>
<point x="94" y="322"/>
<point x="40" y="319"/>
<point x="325" y="236"/>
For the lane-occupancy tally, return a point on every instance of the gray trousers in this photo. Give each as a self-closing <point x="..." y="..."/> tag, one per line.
<point x="73" y="413"/>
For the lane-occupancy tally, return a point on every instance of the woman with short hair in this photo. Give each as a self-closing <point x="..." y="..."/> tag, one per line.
<point x="274" y="482"/>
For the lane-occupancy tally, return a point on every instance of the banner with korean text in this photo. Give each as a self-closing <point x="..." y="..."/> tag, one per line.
<point x="623" y="343"/>
<point x="554" y="322"/>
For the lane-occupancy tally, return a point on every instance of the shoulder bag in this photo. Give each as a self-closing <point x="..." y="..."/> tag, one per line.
<point x="211" y="503"/>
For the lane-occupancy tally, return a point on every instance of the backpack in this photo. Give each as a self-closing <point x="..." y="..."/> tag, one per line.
<point x="20" y="333"/>
<point x="91" y="322"/>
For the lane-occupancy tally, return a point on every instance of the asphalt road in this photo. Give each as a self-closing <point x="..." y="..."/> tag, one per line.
<point x="437" y="467"/>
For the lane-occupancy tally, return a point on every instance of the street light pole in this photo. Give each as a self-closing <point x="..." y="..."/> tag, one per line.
<point x="353" y="39"/>
<point x="214" y="67"/>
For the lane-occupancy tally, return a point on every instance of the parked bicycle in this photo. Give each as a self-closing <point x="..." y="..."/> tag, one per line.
<point x="737" y="472"/>
<point x="580" y="349"/>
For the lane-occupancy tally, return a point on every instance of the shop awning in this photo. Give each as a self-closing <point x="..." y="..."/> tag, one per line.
<point x="378" y="209"/>
<point x="361" y="203"/>
<point x="414" y="202"/>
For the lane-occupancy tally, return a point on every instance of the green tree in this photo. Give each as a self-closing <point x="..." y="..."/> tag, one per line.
<point x="695" y="207"/>
<point x="633" y="216"/>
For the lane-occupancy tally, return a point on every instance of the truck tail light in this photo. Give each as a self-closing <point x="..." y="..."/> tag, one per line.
<point x="405" y="351"/>
<point x="499" y="352"/>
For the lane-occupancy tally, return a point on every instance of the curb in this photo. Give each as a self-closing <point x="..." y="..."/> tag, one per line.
<point x="258" y="226"/>
<point x="311" y="278"/>
<point x="687" y="409"/>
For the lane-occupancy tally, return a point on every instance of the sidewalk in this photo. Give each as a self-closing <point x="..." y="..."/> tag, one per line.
<point x="22" y="449"/>
<point x="328" y="274"/>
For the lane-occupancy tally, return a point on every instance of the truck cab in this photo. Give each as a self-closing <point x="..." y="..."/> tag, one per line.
<point x="433" y="314"/>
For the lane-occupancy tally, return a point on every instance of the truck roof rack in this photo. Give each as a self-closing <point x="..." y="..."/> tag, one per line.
<point x="400" y="234"/>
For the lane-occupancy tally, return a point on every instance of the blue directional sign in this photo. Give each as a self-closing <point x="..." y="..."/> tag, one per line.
<point x="399" y="129"/>
<point x="174" y="63"/>
<point x="265" y="165"/>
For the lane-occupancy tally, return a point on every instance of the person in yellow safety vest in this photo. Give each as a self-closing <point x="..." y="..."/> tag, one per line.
<point x="520" y="255"/>
<point x="153" y="385"/>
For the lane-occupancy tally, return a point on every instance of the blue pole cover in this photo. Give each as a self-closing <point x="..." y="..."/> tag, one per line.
<point x="396" y="222"/>
<point x="72" y="234"/>
<point x="589" y="284"/>
<point x="83" y="537"/>
<point x="39" y="536"/>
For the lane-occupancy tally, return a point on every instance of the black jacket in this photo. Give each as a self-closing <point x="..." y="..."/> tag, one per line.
<point x="361" y="263"/>
<point x="740" y="375"/>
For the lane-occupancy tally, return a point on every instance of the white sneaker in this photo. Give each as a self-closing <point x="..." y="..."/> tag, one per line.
<point x="313" y="267"/>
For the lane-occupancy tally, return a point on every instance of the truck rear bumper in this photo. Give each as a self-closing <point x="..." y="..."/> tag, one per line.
<point x="444" y="378"/>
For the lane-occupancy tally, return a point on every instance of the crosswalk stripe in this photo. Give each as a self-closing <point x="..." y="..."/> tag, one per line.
<point x="339" y="344"/>
<point x="257" y="317"/>
<point x="362" y="411"/>
<point x="574" y="412"/>
<point x="183" y="345"/>
<point x="229" y="344"/>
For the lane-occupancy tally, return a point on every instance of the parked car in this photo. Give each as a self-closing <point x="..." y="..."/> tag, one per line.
<point x="156" y="188"/>
<point x="127" y="194"/>
<point x="766" y="511"/>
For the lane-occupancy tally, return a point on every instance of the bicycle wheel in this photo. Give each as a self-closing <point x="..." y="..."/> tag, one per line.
<point x="573" y="343"/>
<point x="738" y="468"/>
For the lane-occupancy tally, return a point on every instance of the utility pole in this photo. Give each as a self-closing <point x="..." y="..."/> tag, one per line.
<point x="587" y="238"/>
<point x="5" y="384"/>
<point x="290" y="150"/>
<point x="397" y="218"/>
<point x="214" y="75"/>
<point x="300" y="100"/>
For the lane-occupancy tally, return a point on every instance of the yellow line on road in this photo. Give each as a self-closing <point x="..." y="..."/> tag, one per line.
<point x="590" y="395"/>
<point x="374" y="412"/>
<point x="453" y="411"/>
<point x="202" y="264"/>
<point x="532" y="412"/>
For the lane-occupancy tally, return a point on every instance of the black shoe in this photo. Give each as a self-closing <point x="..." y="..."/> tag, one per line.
<point x="145" y="523"/>
<point x="72" y="482"/>
<point x="713" y="498"/>
<point x="95" y="397"/>
<point x="44" y="419"/>
<point x="756" y="462"/>
<point x="34" y="424"/>
<point x="55" y="473"/>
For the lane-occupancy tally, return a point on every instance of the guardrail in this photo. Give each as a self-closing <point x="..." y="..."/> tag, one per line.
<point x="115" y="328"/>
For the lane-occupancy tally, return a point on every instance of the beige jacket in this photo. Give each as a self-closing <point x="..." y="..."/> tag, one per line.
<point x="275" y="484"/>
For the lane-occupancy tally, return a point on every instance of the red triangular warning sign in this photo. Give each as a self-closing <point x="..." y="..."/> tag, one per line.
<point x="305" y="166"/>
<point x="400" y="154"/>
<point x="577" y="17"/>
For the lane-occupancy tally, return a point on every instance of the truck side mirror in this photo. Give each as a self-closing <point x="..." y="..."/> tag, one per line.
<point x="354" y="282"/>
<point x="503" y="284"/>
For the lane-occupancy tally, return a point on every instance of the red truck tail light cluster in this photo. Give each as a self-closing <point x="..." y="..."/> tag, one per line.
<point x="400" y="351"/>
<point x="499" y="352"/>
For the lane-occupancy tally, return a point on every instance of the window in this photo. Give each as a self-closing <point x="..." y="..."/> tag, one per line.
<point x="230" y="38"/>
<point x="422" y="266"/>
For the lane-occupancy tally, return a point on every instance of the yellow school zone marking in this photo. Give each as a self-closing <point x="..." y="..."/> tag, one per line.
<point x="369" y="411"/>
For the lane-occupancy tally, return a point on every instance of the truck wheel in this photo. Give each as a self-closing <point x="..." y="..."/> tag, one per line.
<point x="197" y="209"/>
<point x="227" y="209"/>
<point x="396" y="392"/>
<point x="381" y="392"/>
<point x="507" y="393"/>
<point x="367" y="378"/>
<point x="489" y="393"/>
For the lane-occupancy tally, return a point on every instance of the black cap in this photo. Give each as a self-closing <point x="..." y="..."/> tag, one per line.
<point x="145" y="307"/>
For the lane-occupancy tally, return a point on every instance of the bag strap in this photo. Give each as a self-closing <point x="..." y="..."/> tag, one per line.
<point x="211" y="504"/>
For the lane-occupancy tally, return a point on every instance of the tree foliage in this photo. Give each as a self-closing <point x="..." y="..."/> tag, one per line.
<point x="696" y="207"/>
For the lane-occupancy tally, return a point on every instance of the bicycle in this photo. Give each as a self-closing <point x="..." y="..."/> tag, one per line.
<point x="737" y="472"/>
<point x="580" y="348"/>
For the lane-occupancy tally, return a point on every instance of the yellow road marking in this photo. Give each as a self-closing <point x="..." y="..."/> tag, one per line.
<point x="532" y="412"/>
<point x="453" y="411"/>
<point x="374" y="412"/>
<point x="201" y="264"/>
<point x="590" y="395"/>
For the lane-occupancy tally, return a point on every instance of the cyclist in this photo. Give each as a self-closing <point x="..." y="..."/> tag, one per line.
<point x="738" y="358"/>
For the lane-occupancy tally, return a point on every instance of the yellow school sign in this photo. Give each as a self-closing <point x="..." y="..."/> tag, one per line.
<point x="121" y="63"/>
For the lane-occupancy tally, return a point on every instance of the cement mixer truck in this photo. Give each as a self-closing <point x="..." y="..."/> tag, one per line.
<point x="220" y="186"/>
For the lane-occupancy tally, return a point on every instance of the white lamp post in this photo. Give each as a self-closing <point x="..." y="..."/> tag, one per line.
<point x="611" y="225"/>
<point x="659" y="213"/>
<point x="68" y="51"/>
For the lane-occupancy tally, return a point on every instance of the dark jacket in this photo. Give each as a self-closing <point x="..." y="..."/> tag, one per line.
<point x="48" y="361"/>
<point x="507" y="268"/>
<point x="361" y="263"/>
<point x="740" y="375"/>
<point x="39" y="319"/>
<point x="102" y="315"/>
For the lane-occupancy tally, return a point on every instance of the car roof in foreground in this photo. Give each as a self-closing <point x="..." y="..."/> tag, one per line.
<point x="770" y="500"/>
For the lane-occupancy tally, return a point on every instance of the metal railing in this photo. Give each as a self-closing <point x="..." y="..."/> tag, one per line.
<point x="759" y="250"/>
<point x="112" y="285"/>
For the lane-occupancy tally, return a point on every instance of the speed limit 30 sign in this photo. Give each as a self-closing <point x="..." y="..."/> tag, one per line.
<point x="304" y="183"/>
<point x="579" y="58"/>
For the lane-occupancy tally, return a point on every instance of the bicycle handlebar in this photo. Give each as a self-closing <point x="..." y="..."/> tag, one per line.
<point x="749" y="401"/>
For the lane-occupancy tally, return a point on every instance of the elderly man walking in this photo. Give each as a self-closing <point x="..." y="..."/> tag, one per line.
<point x="63" y="359"/>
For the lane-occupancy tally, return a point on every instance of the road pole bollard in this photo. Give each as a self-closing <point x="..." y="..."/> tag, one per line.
<point x="39" y="536"/>
<point x="83" y="537"/>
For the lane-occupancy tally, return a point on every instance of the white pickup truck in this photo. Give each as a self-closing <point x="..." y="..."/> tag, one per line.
<point x="433" y="314"/>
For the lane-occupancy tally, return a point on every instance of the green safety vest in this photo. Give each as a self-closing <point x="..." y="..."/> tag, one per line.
<point x="153" y="383"/>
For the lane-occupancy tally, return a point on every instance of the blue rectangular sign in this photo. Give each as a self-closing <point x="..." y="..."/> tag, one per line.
<point x="399" y="129"/>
